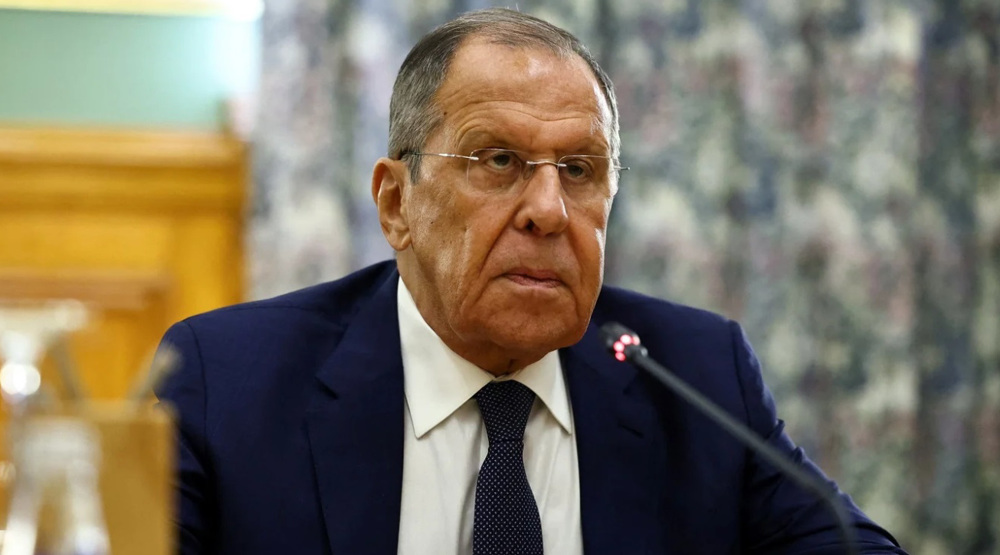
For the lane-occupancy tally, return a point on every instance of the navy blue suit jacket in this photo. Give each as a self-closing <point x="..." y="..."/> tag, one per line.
<point x="291" y="432"/>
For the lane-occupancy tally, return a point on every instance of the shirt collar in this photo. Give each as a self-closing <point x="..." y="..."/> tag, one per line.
<point x="437" y="381"/>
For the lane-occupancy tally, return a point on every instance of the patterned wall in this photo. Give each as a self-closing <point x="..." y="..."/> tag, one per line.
<point x="825" y="171"/>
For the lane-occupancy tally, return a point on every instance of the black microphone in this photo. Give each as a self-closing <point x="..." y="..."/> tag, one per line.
<point x="625" y="346"/>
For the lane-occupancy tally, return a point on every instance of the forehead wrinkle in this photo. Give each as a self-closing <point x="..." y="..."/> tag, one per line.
<point x="501" y="125"/>
<point x="522" y="108"/>
<point x="501" y="97"/>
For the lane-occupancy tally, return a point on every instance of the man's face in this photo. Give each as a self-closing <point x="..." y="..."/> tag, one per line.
<point x="506" y="278"/>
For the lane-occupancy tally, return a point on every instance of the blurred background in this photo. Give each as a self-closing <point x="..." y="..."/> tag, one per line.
<point x="826" y="172"/>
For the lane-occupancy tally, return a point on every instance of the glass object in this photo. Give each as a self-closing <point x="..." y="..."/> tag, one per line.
<point x="57" y="461"/>
<point x="498" y="170"/>
<point x="26" y="330"/>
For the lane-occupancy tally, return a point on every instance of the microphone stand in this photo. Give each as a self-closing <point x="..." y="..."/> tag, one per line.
<point x="624" y="345"/>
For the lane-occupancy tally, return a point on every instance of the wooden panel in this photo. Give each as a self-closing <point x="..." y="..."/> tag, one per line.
<point x="57" y="238"/>
<point x="121" y="171"/>
<point x="99" y="290"/>
<point x="144" y="227"/>
<point x="103" y="147"/>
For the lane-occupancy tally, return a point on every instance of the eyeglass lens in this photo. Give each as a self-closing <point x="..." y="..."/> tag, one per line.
<point x="499" y="169"/>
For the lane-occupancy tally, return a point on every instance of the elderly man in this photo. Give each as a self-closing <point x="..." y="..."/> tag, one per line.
<point x="458" y="400"/>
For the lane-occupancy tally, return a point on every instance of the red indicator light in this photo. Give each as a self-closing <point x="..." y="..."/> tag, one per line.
<point x="626" y="339"/>
<point x="619" y="346"/>
<point x="620" y="355"/>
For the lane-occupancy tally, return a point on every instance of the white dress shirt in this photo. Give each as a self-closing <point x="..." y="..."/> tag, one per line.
<point x="445" y="443"/>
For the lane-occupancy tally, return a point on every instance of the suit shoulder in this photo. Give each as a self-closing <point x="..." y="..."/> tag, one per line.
<point x="634" y="309"/>
<point x="332" y="301"/>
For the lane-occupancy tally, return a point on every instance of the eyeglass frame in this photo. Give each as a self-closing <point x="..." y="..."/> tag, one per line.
<point x="529" y="165"/>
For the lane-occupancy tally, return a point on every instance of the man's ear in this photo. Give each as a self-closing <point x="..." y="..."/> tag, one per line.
<point x="389" y="179"/>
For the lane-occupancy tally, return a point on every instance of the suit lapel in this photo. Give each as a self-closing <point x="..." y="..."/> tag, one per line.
<point x="615" y="447"/>
<point x="355" y="430"/>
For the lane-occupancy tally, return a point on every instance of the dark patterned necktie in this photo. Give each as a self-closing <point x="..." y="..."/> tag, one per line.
<point x="507" y="521"/>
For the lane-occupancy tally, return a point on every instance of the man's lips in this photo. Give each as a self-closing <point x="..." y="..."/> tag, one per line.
<point x="534" y="278"/>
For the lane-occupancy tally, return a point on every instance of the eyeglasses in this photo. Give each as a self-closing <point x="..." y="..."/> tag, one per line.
<point x="499" y="170"/>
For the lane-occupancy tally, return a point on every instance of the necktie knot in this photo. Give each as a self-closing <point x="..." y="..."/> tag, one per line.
<point x="505" y="407"/>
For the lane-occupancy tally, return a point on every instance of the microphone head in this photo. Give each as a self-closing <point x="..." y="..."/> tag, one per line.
<point x="620" y="341"/>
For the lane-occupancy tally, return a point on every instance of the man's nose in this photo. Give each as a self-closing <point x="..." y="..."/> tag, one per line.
<point x="542" y="209"/>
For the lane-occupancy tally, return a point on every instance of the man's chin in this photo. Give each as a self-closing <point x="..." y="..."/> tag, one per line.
<point x="501" y="345"/>
<point x="536" y="338"/>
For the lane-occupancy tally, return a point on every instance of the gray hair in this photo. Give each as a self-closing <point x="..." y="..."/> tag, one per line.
<point x="413" y="114"/>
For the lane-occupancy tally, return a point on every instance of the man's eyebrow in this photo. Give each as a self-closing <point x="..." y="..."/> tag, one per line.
<point x="593" y="147"/>
<point x="482" y="137"/>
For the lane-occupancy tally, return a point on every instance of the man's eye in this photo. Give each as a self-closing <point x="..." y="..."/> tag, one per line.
<point x="500" y="161"/>
<point x="577" y="170"/>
